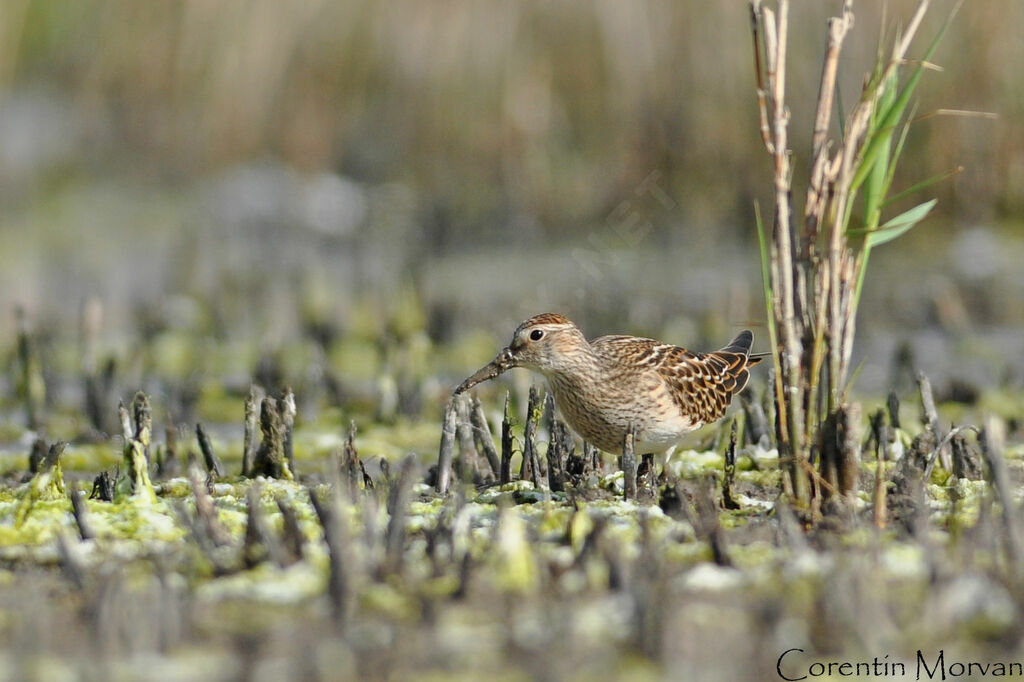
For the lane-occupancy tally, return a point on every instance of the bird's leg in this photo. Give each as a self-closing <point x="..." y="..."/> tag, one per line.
<point x="628" y="465"/>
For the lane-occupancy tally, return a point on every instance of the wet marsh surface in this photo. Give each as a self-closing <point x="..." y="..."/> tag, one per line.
<point x="510" y="580"/>
<point x="232" y="577"/>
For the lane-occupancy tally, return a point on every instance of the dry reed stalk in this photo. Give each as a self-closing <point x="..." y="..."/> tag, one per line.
<point x="813" y="272"/>
<point x="445" y="454"/>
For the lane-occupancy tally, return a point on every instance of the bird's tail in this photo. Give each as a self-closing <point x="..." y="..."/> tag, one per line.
<point x="741" y="344"/>
<point x="737" y="353"/>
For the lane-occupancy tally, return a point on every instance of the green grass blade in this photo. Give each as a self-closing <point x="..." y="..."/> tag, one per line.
<point x="890" y="117"/>
<point x="769" y="305"/>
<point x="874" y="189"/>
<point x="895" y="156"/>
<point x="853" y="378"/>
<point x="861" y="273"/>
<point x="900" y="225"/>
<point x="766" y="280"/>
<point x="924" y="184"/>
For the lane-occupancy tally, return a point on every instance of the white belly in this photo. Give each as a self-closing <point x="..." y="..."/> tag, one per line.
<point x="661" y="436"/>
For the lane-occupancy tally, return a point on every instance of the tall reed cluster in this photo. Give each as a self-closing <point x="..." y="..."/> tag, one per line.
<point x="814" y="260"/>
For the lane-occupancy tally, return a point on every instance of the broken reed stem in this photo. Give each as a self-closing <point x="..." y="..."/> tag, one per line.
<point x="482" y="436"/>
<point x="531" y="468"/>
<point x="940" y="447"/>
<point x="127" y="432"/>
<point x="505" y="474"/>
<point x="467" y="463"/>
<point x="966" y="463"/>
<point x="70" y="563"/>
<point x="89" y="326"/>
<point x="81" y="515"/>
<point x="104" y="487"/>
<point x="252" y="422"/>
<point x="930" y="418"/>
<point x="270" y="460"/>
<point x="708" y="526"/>
<point x="32" y="383"/>
<point x="757" y="430"/>
<point x="837" y="29"/>
<point x="647" y="479"/>
<point x="98" y="389"/>
<point x="762" y="100"/>
<point x="213" y="465"/>
<point x="339" y="588"/>
<point x="554" y="456"/>
<point x="37" y="456"/>
<point x="730" y="470"/>
<point x="50" y="468"/>
<point x="350" y="467"/>
<point x="526" y="465"/>
<point x="398" y="502"/>
<point x="288" y="410"/>
<point x="892" y="405"/>
<point x="881" y="438"/>
<point x="143" y="414"/>
<point x="207" y="523"/>
<point x="992" y="442"/>
<point x="167" y="463"/>
<point x="255" y="548"/>
<point x="265" y="543"/>
<point x="822" y="172"/>
<point x="930" y="415"/>
<point x="293" y="539"/>
<point x="135" y="478"/>
<point x="445" y="454"/>
<point x="560" y="448"/>
<point x="849" y="449"/>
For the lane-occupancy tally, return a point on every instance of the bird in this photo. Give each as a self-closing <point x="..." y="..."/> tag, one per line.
<point x="612" y="385"/>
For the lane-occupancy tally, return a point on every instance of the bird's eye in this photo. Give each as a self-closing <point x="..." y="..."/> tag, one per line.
<point x="537" y="335"/>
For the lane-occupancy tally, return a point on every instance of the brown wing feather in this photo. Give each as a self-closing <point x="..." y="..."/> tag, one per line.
<point x="701" y="384"/>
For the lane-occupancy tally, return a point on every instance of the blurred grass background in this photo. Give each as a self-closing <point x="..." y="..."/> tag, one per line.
<point x="240" y="167"/>
<point x="546" y="112"/>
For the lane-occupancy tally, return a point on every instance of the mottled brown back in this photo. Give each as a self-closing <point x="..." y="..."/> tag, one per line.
<point x="701" y="384"/>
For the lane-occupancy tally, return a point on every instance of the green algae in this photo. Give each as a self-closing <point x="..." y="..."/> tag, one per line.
<point x="358" y="358"/>
<point x="219" y="406"/>
<point x="389" y="600"/>
<point x="134" y="481"/>
<point x="31" y="522"/>
<point x="550" y="517"/>
<point x="513" y="562"/>
<point x="91" y="457"/>
<point x="135" y="519"/>
<point x="46" y="485"/>
<point x="398" y="439"/>
<point x="763" y="478"/>
<point x="10" y="432"/>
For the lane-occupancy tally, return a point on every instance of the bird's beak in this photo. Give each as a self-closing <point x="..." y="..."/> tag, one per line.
<point x="502" y="362"/>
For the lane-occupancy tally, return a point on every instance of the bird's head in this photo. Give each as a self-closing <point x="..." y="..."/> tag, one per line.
<point x="544" y="343"/>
